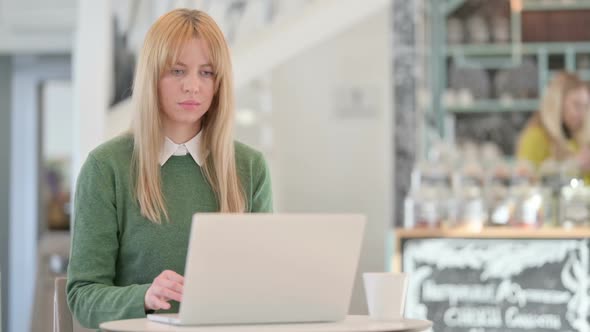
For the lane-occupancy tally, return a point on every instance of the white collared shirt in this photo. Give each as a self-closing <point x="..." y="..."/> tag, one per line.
<point x="193" y="147"/>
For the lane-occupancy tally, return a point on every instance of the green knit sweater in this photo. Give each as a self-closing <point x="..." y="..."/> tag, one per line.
<point x="116" y="253"/>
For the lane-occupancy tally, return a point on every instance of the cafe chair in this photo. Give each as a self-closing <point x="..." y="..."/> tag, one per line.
<point x="62" y="317"/>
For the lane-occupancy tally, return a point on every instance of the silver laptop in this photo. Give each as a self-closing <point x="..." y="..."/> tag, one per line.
<point x="269" y="268"/>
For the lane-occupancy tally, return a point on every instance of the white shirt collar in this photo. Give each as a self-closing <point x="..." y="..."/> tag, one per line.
<point x="193" y="146"/>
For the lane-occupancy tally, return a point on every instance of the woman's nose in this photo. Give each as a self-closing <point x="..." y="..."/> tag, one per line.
<point x="191" y="84"/>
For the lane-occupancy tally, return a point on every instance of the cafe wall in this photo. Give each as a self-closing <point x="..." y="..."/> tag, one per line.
<point x="333" y="137"/>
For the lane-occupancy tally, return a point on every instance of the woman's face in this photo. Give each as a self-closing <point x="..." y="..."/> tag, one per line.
<point x="575" y="106"/>
<point x="187" y="89"/>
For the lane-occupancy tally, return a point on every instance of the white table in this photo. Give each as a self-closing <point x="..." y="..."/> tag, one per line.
<point x="350" y="324"/>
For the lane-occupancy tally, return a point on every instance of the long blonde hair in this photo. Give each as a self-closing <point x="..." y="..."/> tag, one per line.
<point x="163" y="44"/>
<point x="551" y="114"/>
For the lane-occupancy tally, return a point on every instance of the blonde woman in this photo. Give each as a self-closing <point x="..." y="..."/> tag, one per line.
<point x="560" y="129"/>
<point x="136" y="194"/>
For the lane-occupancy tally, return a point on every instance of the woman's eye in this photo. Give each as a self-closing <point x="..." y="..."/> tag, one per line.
<point x="177" y="72"/>
<point x="206" y="73"/>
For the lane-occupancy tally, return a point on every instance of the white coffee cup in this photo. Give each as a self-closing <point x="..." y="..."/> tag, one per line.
<point x="386" y="294"/>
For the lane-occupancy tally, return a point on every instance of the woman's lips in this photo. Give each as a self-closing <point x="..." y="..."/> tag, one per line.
<point x="189" y="104"/>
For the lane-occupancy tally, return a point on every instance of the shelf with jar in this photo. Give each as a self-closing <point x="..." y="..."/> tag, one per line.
<point x="506" y="88"/>
<point x="459" y="51"/>
<point x="462" y="101"/>
<point x="497" y="56"/>
<point x="495" y="105"/>
<point x="495" y="233"/>
<point x="472" y="187"/>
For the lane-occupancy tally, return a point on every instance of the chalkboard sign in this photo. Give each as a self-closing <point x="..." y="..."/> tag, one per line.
<point x="477" y="285"/>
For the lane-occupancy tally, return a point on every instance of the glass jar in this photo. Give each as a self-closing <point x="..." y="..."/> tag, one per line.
<point x="550" y="186"/>
<point x="501" y="206"/>
<point x="527" y="195"/>
<point x="574" y="204"/>
<point x="428" y="203"/>
<point x="472" y="211"/>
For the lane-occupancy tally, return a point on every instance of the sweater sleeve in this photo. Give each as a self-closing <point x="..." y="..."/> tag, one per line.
<point x="262" y="197"/>
<point x="533" y="146"/>
<point x="92" y="296"/>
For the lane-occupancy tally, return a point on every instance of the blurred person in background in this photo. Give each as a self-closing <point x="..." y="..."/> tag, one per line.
<point x="560" y="130"/>
<point x="136" y="193"/>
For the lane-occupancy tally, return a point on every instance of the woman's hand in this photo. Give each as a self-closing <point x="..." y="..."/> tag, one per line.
<point x="167" y="286"/>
